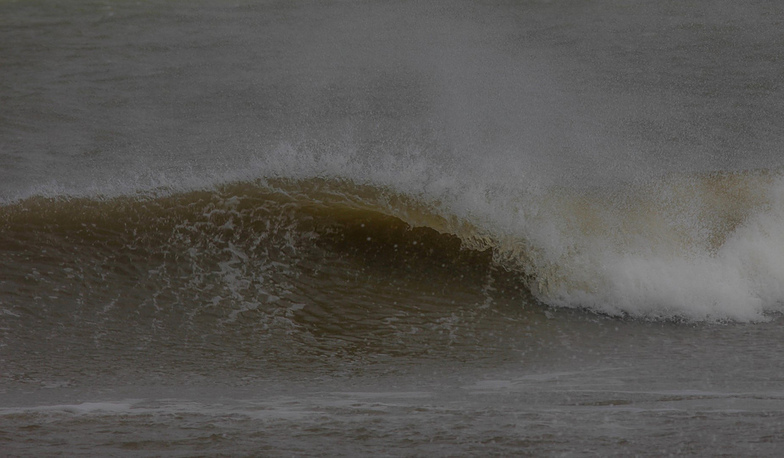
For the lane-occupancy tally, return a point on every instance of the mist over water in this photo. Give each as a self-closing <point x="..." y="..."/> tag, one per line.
<point x="555" y="224"/>
<point x="530" y="92"/>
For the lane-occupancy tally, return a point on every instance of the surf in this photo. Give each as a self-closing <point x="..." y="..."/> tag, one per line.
<point x="695" y="247"/>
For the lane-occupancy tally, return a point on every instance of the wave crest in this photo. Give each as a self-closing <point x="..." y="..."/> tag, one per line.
<point x="697" y="247"/>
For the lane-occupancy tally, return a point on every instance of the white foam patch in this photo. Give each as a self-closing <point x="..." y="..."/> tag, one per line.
<point x="681" y="277"/>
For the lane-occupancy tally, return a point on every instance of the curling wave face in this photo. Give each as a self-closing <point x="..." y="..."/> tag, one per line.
<point x="694" y="247"/>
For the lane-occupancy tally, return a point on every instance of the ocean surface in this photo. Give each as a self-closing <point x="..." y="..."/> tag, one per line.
<point x="391" y="228"/>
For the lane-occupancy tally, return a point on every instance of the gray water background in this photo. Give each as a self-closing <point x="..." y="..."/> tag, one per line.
<point x="111" y="95"/>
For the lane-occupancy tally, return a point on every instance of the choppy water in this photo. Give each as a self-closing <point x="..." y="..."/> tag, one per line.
<point x="399" y="228"/>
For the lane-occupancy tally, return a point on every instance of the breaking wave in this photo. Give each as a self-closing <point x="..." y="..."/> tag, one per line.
<point x="694" y="247"/>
